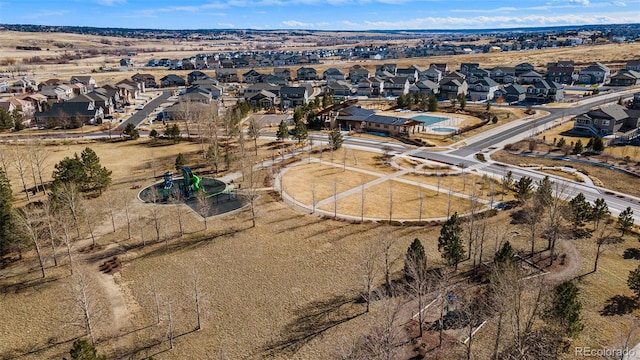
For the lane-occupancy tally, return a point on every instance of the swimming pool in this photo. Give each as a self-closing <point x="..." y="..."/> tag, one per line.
<point x="443" y="129"/>
<point x="429" y="119"/>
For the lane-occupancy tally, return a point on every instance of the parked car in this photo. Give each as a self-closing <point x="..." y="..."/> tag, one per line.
<point x="139" y="107"/>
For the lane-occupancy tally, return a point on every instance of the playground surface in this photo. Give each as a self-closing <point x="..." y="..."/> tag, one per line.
<point x="219" y="199"/>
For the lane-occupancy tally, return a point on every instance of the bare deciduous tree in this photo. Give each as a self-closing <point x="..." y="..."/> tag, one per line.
<point x="369" y="268"/>
<point x="30" y="226"/>
<point x="196" y="297"/>
<point x="19" y="163"/>
<point x="83" y="299"/>
<point x="204" y="207"/>
<point x="47" y="215"/>
<point x="418" y="285"/>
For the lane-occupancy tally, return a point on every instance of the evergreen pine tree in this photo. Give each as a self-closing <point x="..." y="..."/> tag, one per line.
<point x="98" y="177"/>
<point x="180" y="162"/>
<point x="625" y="220"/>
<point x="599" y="211"/>
<point x="450" y="241"/>
<point x="504" y="255"/>
<point x="580" y="210"/>
<point x="633" y="281"/>
<point x="300" y="132"/>
<point x="6" y="196"/>
<point x="335" y="139"/>
<point x="433" y="103"/>
<point x="566" y="308"/>
<point x="283" y="131"/>
<point x="415" y="257"/>
<point x="598" y="145"/>
<point x="82" y="350"/>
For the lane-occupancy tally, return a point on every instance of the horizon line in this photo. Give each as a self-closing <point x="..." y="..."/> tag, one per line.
<point x="538" y="28"/>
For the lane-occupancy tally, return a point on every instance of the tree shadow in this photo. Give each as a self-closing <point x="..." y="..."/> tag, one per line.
<point x="312" y="321"/>
<point x="631" y="253"/>
<point x="619" y="305"/>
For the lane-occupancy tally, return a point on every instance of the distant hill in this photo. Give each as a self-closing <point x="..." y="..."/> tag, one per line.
<point x="612" y="29"/>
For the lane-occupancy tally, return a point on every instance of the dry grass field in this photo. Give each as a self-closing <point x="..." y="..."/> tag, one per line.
<point x="285" y="289"/>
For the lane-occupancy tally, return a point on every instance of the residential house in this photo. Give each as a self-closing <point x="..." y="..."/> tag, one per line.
<point x="111" y="92"/>
<point x="511" y="94"/>
<point x="545" y="92"/>
<point x="127" y="92"/>
<point x="172" y="80"/>
<point x="523" y="68"/>
<point x="24" y="107"/>
<point x="306" y="74"/>
<point x="358" y="72"/>
<point x="196" y="75"/>
<point x="70" y="115"/>
<point x="97" y="100"/>
<point x="257" y="88"/>
<point x="477" y="74"/>
<point x="503" y="74"/>
<point x="340" y="89"/>
<point x="294" y="96"/>
<point x="396" y="86"/>
<point x="466" y="68"/>
<point x="453" y="88"/>
<point x="561" y="72"/>
<point x="139" y="87"/>
<point x="211" y="85"/>
<point x="78" y="89"/>
<point x="23" y="86"/>
<point x="8" y="106"/>
<point x="263" y="99"/>
<point x="428" y="87"/>
<point x="227" y="75"/>
<point x="126" y="62"/>
<point x="483" y="89"/>
<point x="530" y="77"/>
<point x="283" y="73"/>
<point x="595" y="73"/>
<point x="272" y="79"/>
<point x="356" y="118"/>
<point x="625" y="77"/>
<point x="38" y="101"/>
<point x="432" y="74"/>
<point x="443" y="68"/>
<point x="201" y="63"/>
<point x="333" y="74"/>
<point x="411" y="73"/>
<point x="633" y="65"/>
<point x="251" y="77"/>
<point x="56" y="93"/>
<point x="87" y="81"/>
<point x="196" y="94"/>
<point x="148" y="80"/>
<point x="386" y="70"/>
<point x="186" y="64"/>
<point x="612" y="119"/>
<point x="370" y="87"/>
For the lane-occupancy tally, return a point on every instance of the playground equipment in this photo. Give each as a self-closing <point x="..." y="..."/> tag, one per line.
<point x="190" y="183"/>
<point x="215" y="196"/>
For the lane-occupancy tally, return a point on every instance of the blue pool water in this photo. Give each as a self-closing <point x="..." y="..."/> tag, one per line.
<point x="443" y="129"/>
<point x="429" y="119"/>
<point x="377" y="133"/>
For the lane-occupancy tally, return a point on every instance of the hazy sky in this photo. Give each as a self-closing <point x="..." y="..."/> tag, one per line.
<point x="319" y="14"/>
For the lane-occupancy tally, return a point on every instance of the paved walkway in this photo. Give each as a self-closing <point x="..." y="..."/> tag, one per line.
<point x="380" y="178"/>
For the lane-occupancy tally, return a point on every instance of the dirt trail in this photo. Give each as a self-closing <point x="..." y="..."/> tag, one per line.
<point x="572" y="261"/>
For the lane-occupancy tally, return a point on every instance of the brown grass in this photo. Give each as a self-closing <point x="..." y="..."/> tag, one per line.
<point x="612" y="179"/>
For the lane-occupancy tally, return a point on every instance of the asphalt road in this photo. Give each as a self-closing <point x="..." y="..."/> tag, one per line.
<point x="554" y="114"/>
<point x="137" y="117"/>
